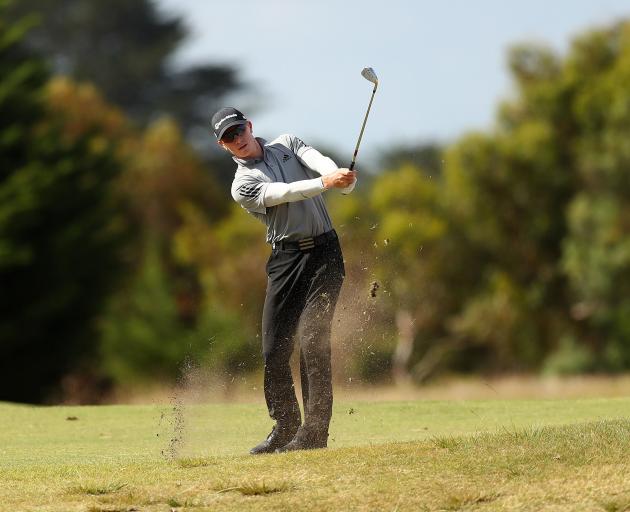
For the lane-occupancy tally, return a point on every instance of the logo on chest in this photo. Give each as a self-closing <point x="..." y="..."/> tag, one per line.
<point x="286" y="158"/>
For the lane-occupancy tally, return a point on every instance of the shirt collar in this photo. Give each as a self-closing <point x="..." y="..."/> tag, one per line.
<point x="252" y="161"/>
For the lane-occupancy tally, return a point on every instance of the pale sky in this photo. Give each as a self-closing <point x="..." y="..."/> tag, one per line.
<point x="441" y="65"/>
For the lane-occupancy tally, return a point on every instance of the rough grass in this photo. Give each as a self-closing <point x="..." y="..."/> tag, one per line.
<point x="97" y="489"/>
<point x="407" y="456"/>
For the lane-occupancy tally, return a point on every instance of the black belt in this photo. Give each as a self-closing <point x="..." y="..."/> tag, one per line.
<point x="306" y="244"/>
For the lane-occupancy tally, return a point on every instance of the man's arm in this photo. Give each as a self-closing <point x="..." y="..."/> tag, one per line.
<point x="313" y="159"/>
<point x="278" y="193"/>
<point x="256" y="195"/>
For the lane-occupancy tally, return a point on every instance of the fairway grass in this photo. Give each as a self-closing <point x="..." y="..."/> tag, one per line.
<point x="403" y="456"/>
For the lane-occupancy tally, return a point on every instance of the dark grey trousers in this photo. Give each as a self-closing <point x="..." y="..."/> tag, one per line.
<point x="302" y="292"/>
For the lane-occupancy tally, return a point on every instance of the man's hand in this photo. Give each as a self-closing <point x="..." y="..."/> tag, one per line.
<point x="341" y="178"/>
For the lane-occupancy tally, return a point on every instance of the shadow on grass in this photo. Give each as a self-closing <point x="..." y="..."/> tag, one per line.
<point x="256" y="488"/>
<point x="97" y="489"/>
<point x="114" y="509"/>
<point x="460" y="501"/>
<point x="617" y="504"/>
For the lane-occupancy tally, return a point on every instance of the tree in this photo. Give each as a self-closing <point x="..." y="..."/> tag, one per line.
<point x="506" y="195"/>
<point x="60" y="231"/>
<point x="596" y="255"/>
<point x="428" y="157"/>
<point x="159" y="315"/>
<point x="125" y="47"/>
<point x="425" y="266"/>
<point x="229" y="257"/>
<point x="530" y="266"/>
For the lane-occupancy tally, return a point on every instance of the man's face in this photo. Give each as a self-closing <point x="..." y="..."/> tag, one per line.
<point x="239" y="140"/>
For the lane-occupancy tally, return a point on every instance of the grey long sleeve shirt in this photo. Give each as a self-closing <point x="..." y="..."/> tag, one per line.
<point x="283" y="188"/>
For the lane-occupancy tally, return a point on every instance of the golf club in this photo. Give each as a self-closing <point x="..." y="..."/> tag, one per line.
<point x="370" y="75"/>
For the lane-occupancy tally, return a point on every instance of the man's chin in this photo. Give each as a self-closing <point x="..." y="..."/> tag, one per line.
<point x="244" y="152"/>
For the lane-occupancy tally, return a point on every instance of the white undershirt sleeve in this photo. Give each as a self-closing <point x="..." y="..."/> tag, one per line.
<point x="321" y="164"/>
<point x="278" y="192"/>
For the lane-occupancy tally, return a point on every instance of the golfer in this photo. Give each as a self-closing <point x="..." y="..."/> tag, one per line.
<point x="281" y="184"/>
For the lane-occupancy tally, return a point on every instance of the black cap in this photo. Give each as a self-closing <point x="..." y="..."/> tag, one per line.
<point x="226" y="118"/>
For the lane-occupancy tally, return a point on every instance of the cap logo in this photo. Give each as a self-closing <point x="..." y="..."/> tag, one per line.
<point x="216" y="126"/>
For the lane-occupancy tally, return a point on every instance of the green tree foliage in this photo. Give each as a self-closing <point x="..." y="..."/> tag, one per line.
<point x="525" y="257"/>
<point x="504" y="196"/>
<point x="229" y="257"/>
<point x="147" y="333"/>
<point x="427" y="156"/>
<point x="125" y="47"/>
<point x="597" y="250"/>
<point x="160" y="316"/>
<point x="161" y="179"/>
<point x="424" y="263"/>
<point x="141" y="334"/>
<point x="60" y="233"/>
<point x="539" y="209"/>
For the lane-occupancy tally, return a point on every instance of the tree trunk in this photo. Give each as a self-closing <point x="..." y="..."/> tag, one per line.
<point x="405" y="325"/>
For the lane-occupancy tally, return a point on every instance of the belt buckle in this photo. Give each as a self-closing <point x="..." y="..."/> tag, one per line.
<point x="306" y="243"/>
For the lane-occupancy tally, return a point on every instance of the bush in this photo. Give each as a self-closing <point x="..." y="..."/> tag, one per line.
<point x="569" y="358"/>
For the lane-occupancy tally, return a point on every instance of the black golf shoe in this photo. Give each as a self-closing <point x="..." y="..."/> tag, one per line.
<point x="279" y="436"/>
<point x="305" y="440"/>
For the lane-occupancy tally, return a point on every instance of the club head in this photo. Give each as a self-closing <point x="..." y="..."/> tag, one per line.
<point x="369" y="74"/>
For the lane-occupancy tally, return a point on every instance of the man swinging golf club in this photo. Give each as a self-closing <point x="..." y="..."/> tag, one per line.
<point x="280" y="183"/>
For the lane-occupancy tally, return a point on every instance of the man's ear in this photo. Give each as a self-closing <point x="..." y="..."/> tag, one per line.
<point x="220" y="143"/>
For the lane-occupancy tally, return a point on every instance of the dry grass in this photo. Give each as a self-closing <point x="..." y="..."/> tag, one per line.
<point x="196" y="462"/>
<point x="98" y="489"/>
<point x="108" y="460"/>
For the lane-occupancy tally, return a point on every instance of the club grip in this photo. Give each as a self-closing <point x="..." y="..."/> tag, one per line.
<point x="354" y="157"/>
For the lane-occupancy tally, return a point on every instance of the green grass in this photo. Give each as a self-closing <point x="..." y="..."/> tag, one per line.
<point x="424" y="455"/>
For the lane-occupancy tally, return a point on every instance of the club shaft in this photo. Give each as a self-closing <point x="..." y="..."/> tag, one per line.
<point x="356" y="149"/>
